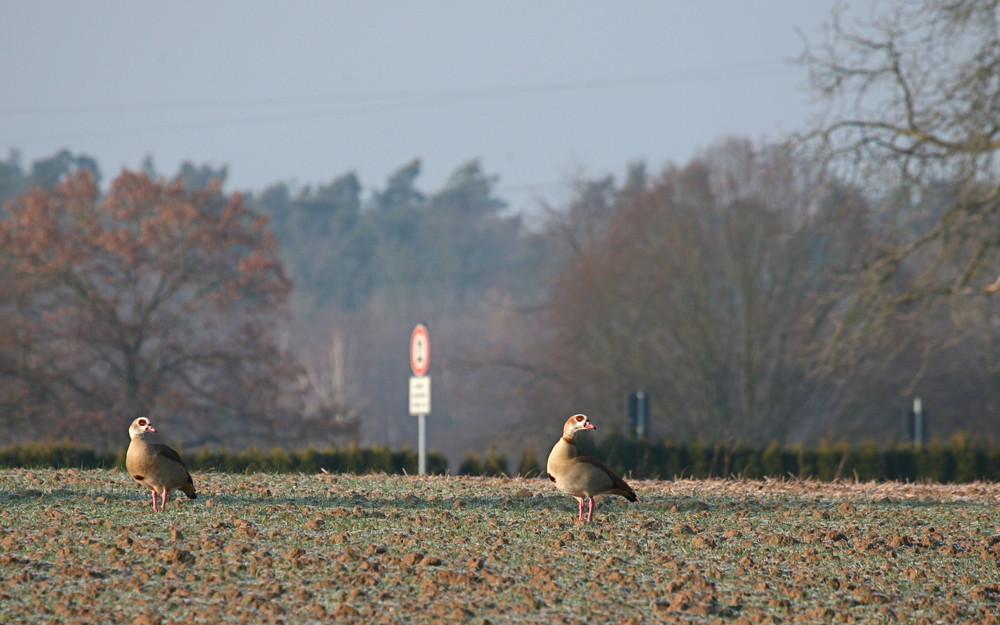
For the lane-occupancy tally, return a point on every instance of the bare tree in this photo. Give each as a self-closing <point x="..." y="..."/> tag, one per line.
<point x="333" y="408"/>
<point x="704" y="289"/>
<point x="913" y="95"/>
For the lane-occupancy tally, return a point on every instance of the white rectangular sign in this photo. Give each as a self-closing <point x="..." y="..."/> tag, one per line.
<point x="420" y="395"/>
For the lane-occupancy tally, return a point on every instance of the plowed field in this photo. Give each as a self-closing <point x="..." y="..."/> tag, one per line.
<point x="85" y="547"/>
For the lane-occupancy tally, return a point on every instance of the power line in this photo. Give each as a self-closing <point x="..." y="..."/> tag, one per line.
<point x="413" y="97"/>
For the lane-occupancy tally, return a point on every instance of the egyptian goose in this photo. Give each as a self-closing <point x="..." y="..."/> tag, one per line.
<point x="582" y="476"/>
<point x="156" y="466"/>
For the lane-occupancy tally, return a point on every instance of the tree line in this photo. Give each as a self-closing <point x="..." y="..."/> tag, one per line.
<point x="714" y="286"/>
<point x="784" y="291"/>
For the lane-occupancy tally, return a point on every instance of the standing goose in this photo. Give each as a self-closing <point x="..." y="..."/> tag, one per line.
<point x="156" y="466"/>
<point x="582" y="476"/>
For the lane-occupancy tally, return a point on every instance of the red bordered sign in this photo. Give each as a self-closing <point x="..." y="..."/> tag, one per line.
<point x="420" y="350"/>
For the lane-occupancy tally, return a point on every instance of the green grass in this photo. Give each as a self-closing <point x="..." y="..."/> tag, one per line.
<point x="78" y="545"/>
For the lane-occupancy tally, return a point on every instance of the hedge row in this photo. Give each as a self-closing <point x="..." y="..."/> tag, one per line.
<point x="956" y="461"/>
<point x="352" y="459"/>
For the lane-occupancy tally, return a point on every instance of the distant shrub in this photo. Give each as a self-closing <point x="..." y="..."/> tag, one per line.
<point x="957" y="461"/>
<point x="63" y="454"/>
<point x="934" y="463"/>
<point x="353" y="459"/>
<point x="963" y="465"/>
<point x="379" y="459"/>
<point x="743" y="462"/>
<point x="471" y="465"/>
<point x="774" y="461"/>
<point x="697" y="460"/>
<point x="867" y="462"/>
<point x="496" y="463"/>
<point x="529" y="465"/>
<point x="900" y="462"/>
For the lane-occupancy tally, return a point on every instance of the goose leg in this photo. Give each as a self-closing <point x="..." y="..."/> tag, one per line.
<point x="154" y="501"/>
<point x="590" y="508"/>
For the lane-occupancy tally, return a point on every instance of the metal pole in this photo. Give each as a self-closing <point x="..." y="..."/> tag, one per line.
<point x="918" y="422"/>
<point x="422" y="444"/>
<point x="641" y="415"/>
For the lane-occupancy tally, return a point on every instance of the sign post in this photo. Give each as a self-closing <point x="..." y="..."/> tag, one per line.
<point x="917" y="422"/>
<point x="638" y="414"/>
<point x="420" y="389"/>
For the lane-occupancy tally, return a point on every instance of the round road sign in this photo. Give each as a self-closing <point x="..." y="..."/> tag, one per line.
<point x="420" y="350"/>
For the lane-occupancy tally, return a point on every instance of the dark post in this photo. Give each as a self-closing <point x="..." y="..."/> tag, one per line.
<point x="916" y="423"/>
<point x="638" y="414"/>
<point x="630" y="412"/>
<point x="641" y="414"/>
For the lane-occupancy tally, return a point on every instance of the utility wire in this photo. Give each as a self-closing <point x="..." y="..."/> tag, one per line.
<point x="405" y="98"/>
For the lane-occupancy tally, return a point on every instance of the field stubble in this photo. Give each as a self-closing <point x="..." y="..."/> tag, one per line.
<point x="83" y="546"/>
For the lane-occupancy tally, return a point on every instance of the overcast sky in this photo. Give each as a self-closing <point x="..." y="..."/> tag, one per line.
<point x="302" y="92"/>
